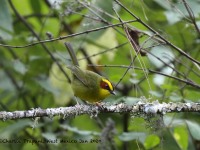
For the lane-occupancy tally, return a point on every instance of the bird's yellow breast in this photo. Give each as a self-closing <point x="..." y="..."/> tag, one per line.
<point x="90" y="94"/>
<point x="103" y="93"/>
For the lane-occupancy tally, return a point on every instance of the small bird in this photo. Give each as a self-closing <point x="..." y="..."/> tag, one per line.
<point x="90" y="86"/>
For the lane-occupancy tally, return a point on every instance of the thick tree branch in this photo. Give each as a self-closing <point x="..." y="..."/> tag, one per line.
<point x="93" y="110"/>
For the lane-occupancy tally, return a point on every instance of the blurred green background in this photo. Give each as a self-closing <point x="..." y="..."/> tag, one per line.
<point x="31" y="78"/>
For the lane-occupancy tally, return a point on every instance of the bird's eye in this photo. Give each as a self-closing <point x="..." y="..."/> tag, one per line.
<point x="104" y="85"/>
<point x="107" y="87"/>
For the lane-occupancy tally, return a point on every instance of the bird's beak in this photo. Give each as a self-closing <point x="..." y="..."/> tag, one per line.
<point x="112" y="92"/>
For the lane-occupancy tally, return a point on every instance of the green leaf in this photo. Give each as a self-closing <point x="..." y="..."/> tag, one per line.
<point x="14" y="128"/>
<point x="171" y="121"/>
<point x="80" y="132"/>
<point x="131" y="100"/>
<point x="181" y="136"/>
<point x="19" y="66"/>
<point x="175" y="97"/>
<point x="97" y="9"/>
<point x="64" y="88"/>
<point x="151" y="141"/>
<point x="194" y="129"/>
<point x="6" y="27"/>
<point x="46" y="84"/>
<point x="156" y="93"/>
<point x="163" y="4"/>
<point x="5" y="82"/>
<point x="129" y="136"/>
<point x="36" y="6"/>
<point x="49" y="135"/>
<point x="173" y="17"/>
<point x="160" y="57"/>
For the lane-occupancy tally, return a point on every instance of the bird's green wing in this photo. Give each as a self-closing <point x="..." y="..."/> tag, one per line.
<point x="79" y="74"/>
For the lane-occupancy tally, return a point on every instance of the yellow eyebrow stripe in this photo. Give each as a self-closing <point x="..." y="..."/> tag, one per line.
<point x="109" y="84"/>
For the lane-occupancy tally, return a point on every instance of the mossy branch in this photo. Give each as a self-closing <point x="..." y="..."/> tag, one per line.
<point x="93" y="110"/>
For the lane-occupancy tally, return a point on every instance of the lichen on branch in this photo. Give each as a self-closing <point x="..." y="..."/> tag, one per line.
<point x="93" y="110"/>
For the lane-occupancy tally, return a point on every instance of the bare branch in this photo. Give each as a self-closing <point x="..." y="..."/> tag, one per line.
<point x="191" y="14"/>
<point x="158" y="35"/>
<point x="187" y="81"/>
<point x="93" y="110"/>
<point x="67" y="36"/>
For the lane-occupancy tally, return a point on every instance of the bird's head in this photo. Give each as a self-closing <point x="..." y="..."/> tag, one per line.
<point x="106" y="88"/>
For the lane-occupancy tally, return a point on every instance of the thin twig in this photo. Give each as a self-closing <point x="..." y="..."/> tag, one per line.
<point x="105" y="51"/>
<point x="188" y="82"/>
<point x="157" y="34"/>
<point x="67" y="36"/>
<point x="191" y="14"/>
